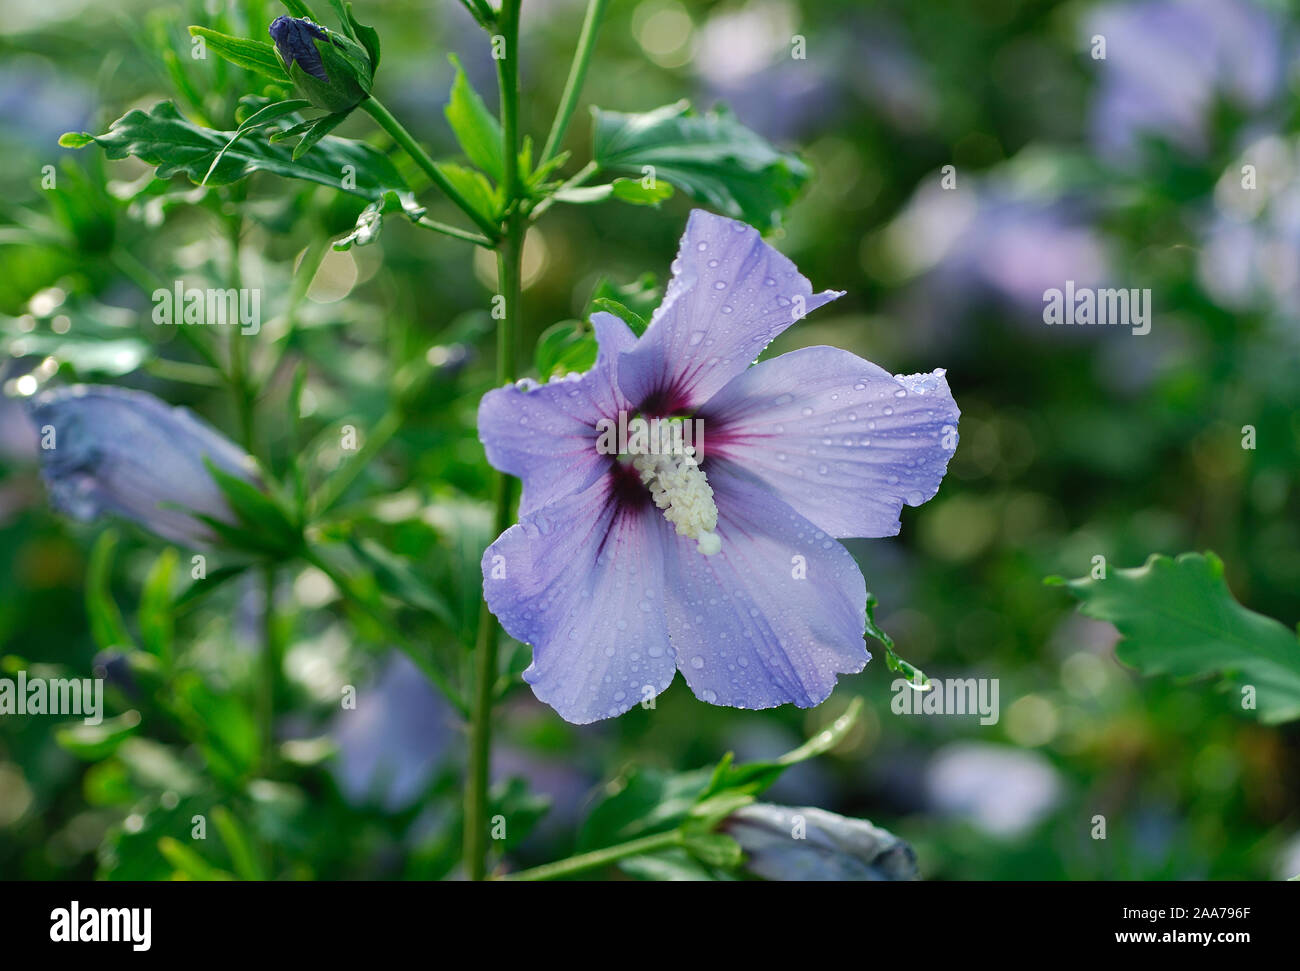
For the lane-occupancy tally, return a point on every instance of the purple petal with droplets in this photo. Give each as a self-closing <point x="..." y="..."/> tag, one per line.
<point x="774" y="616"/>
<point x="731" y="294"/>
<point x="546" y="434"/>
<point x="841" y="440"/>
<point x="582" y="581"/>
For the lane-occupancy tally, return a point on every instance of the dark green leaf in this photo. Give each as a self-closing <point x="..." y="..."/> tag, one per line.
<point x="711" y="157"/>
<point x="163" y="138"/>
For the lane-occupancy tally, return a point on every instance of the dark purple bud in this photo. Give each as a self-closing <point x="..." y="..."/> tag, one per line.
<point x="295" y="38"/>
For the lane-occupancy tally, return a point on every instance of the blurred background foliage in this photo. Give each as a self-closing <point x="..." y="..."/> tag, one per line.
<point x="1076" y="442"/>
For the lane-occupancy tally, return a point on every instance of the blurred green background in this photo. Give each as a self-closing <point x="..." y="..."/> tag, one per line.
<point x="1075" y="442"/>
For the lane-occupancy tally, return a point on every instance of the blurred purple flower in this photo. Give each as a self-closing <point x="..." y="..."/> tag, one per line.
<point x="804" y="843"/>
<point x="390" y="745"/>
<point x="1168" y="61"/>
<point x="801" y="450"/>
<point x="1001" y="790"/>
<point x="107" y="450"/>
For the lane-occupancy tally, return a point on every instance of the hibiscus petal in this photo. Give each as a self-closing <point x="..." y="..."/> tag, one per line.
<point x="546" y="434"/>
<point x="731" y="294"/>
<point x="582" y="581"/>
<point x="841" y="440"/>
<point x="774" y="616"/>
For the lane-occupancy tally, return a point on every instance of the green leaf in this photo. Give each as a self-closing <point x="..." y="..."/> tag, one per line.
<point x="520" y="808"/>
<point x="628" y="190"/>
<point x="252" y="55"/>
<point x="625" y="314"/>
<point x="258" y="511"/>
<point x="259" y="118"/>
<point x="297" y="8"/>
<point x="753" y="777"/>
<point x="476" y="129"/>
<point x="317" y="129"/>
<point x="639" y="299"/>
<point x="96" y="742"/>
<point x="563" y="347"/>
<point x="711" y="157"/>
<point x="157" y="624"/>
<point x="201" y="588"/>
<point x="106" y="624"/>
<point x="161" y="137"/>
<point x="475" y="188"/>
<point x="1177" y="617"/>
<point x="372" y="218"/>
<point x="187" y="862"/>
<point x="238" y="844"/>
<point x="715" y="849"/>
<point x="367" y="37"/>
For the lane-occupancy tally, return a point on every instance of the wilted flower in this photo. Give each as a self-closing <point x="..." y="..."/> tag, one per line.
<point x="116" y="451"/>
<point x="328" y="69"/>
<point x="804" y="843"/>
<point x="749" y="594"/>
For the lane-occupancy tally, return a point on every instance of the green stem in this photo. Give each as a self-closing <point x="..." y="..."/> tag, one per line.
<point x="580" y="177"/>
<point x="455" y="233"/>
<point x="334" y="487"/>
<point x="509" y="279"/>
<point x="239" y="381"/>
<point x="577" y="74"/>
<point x="270" y="672"/>
<point x="388" y="123"/>
<point x="598" y="858"/>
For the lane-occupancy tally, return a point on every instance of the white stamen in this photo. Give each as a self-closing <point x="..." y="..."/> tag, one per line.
<point x="679" y="487"/>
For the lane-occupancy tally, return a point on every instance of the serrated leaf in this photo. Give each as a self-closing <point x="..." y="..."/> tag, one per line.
<point x="165" y="139"/>
<point x="711" y="157"/>
<point x="476" y="129"/>
<point x="1177" y="617"/>
<point x="252" y="55"/>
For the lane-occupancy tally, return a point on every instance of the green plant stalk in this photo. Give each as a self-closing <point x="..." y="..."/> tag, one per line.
<point x="577" y="75"/>
<point x="270" y="672"/>
<point x="510" y="281"/>
<point x="598" y="858"/>
<point x="388" y="123"/>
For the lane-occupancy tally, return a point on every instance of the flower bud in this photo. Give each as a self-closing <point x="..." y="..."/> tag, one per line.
<point x="330" y="70"/>
<point x="803" y="843"/>
<point x="113" y="451"/>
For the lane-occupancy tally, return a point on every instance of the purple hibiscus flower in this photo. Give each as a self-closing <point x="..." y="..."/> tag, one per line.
<point x="718" y="558"/>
